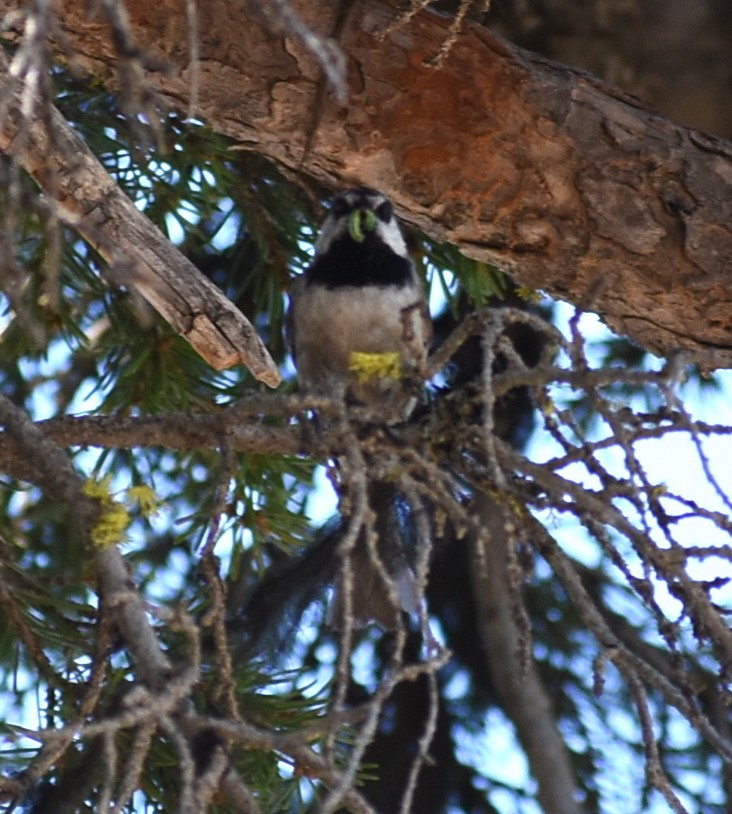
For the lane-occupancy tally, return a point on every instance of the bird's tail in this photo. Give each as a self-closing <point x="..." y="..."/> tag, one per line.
<point x="375" y="580"/>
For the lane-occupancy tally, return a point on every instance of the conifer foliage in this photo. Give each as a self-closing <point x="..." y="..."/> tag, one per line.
<point x="165" y="561"/>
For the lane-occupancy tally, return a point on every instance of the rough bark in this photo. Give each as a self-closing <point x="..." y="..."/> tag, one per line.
<point x="566" y="183"/>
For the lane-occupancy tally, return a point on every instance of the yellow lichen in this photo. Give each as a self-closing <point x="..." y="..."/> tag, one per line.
<point x="528" y="295"/>
<point x="111" y="527"/>
<point x="367" y="366"/>
<point x="98" y="489"/>
<point x="145" y="498"/>
<point x="114" y="518"/>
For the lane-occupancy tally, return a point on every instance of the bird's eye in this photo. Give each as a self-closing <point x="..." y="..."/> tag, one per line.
<point x="340" y="208"/>
<point x="384" y="211"/>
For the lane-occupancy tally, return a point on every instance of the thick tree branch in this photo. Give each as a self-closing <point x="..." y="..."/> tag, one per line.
<point x="565" y="182"/>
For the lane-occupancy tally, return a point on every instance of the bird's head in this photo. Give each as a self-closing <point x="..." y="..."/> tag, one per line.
<point x="361" y="216"/>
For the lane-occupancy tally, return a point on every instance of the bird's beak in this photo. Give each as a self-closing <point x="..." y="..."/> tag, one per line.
<point x="360" y="222"/>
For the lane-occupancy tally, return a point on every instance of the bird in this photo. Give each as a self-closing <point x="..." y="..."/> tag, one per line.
<point x="359" y="330"/>
<point x="358" y="323"/>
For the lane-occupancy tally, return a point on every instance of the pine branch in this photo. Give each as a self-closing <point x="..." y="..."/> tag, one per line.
<point x="85" y="197"/>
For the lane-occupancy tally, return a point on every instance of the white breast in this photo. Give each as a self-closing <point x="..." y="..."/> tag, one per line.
<point x="330" y="324"/>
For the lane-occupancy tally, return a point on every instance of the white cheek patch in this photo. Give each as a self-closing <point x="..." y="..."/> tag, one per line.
<point x="331" y="230"/>
<point x="391" y="234"/>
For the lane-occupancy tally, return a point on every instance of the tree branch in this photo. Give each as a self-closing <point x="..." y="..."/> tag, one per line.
<point x="521" y="693"/>
<point x="140" y="257"/>
<point x="565" y="182"/>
